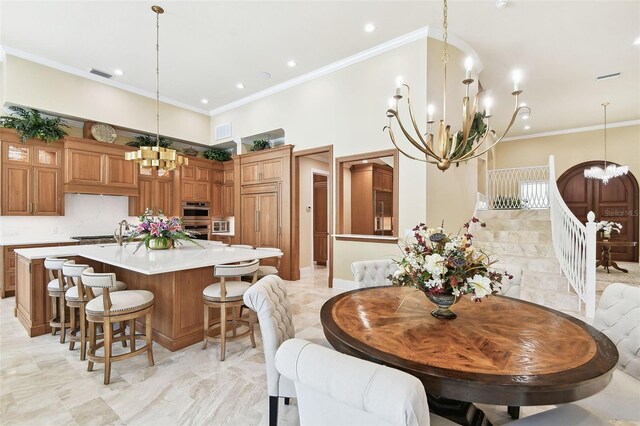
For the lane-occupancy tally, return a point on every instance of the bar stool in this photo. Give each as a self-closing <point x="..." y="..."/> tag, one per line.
<point x="77" y="297"/>
<point x="228" y="294"/>
<point x="113" y="307"/>
<point x="265" y="270"/>
<point x="56" y="289"/>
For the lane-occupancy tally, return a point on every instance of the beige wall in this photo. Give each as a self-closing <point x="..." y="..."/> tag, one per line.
<point x="40" y="87"/>
<point x="347" y="109"/>
<point x="307" y="168"/>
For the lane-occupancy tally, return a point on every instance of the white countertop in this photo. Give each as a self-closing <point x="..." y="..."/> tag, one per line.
<point x="20" y="240"/>
<point x="151" y="262"/>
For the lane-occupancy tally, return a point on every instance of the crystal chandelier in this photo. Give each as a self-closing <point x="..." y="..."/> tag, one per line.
<point x="464" y="144"/>
<point x="157" y="157"/>
<point x="607" y="172"/>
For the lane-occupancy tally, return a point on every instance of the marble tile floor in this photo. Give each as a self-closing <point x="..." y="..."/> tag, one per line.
<point x="42" y="382"/>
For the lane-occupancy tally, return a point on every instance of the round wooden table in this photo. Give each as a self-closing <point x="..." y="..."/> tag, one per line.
<point x="501" y="351"/>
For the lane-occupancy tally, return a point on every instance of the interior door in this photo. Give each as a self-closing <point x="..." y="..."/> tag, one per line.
<point x="617" y="201"/>
<point x="249" y="228"/>
<point x="320" y="231"/>
<point x="268" y="220"/>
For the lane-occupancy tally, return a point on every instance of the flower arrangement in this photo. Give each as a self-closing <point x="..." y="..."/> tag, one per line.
<point x="607" y="227"/>
<point x="165" y="230"/>
<point x="441" y="264"/>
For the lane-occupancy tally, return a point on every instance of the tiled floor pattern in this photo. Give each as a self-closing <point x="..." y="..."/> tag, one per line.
<point x="43" y="383"/>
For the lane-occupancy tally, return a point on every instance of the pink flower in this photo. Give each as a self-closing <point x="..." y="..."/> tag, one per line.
<point x="155" y="229"/>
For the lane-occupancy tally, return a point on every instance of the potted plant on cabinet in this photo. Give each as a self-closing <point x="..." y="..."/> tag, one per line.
<point x="30" y="124"/>
<point x="260" y="144"/>
<point x="217" y="154"/>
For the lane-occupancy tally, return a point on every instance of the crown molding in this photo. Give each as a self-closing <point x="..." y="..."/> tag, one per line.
<point x="6" y="50"/>
<point x="392" y="44"/>
<point x="575" y="130"/>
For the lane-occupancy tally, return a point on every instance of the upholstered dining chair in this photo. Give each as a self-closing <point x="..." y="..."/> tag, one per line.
<point x="114" y="307"/>
<point x="618" y="317"/>
<point x="77" y="297"/>
<point x="265" y="269"/>
<point x="227" y="294"/>
<point x="338" y="389"/>
<point x="56" y="288"/>
<point x="509" y="287"/>
<point x="373" y="273"/>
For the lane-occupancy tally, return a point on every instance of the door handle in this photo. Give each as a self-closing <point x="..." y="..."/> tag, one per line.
<point x="258" y="221"/>
<point x="255" y="221"/>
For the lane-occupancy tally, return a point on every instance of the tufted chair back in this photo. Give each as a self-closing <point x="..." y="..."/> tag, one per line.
<point x="268" y="298"/>
<point x="618" y="316"/>
<point x="338" y="389"/>
<point x="373" y="273"/>
<point x="510" y="287"/>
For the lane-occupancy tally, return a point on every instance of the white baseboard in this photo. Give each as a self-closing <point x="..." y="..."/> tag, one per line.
<point x="344" y="284"/>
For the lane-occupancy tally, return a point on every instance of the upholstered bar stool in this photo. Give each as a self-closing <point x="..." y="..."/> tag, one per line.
<point x="228" y="294"/>
<point x="56" y="289"/>
<point x="113" y="307"/>
<point x="77" y="297"/>
<point x="265" y="270"/>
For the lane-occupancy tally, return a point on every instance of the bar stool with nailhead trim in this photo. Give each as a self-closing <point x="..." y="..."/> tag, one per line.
<point x="56" y="289"/>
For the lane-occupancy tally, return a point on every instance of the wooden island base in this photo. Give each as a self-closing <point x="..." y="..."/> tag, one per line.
<point x="178" y="309"/>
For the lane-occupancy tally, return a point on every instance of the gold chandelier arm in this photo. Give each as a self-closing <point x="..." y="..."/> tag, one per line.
<point x="393" y="140"/>
<point x="413" y="120"/>
<point x="469" y="155"/>
<point x="406" y="134"/>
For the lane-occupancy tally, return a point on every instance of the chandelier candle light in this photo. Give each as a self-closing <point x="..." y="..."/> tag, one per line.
<point x="464" y="144"/>
<point x="157" y="157"/>
<point x="607" y="172"/>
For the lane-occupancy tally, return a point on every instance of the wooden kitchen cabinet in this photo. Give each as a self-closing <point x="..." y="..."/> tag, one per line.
<point x="371" y="199"/>
<point x="156" y="194"/>
<point x="216" y="200"/>
<point x="31" y="177"/>
<point x="8" y="266"/>
<point x="262" y="170"/>
<point x="196" y="181"/>
<point x="93" y="167"/>
<point x="228" y="195"/>
<point x="260" y="219"/>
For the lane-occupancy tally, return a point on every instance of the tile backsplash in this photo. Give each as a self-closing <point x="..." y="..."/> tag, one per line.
<point x="84" y="215"/>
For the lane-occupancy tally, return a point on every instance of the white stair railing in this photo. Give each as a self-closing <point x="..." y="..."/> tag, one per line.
<point x="575" y="246"/>
<point x="518" y="188"/>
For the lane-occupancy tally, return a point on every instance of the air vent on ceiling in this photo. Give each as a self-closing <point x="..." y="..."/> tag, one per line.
<point x="608" y="76"/>
<point x="100" y="73"/>
<point x="223" y="131"/>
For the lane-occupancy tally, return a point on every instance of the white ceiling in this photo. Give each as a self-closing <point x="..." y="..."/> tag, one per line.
<point x="207" y="47"/>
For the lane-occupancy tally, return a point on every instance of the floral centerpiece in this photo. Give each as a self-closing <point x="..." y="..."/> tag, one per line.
<point x="445" y="267"/>
<point x="160" y="232"/>
<point x="607" y="228"/>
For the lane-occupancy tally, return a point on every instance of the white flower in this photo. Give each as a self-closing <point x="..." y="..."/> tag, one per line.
<point x="480" y="285"/>
<point x="434" y="264"/>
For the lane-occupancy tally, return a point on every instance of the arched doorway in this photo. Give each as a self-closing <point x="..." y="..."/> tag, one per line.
<point x="617" y="201"/>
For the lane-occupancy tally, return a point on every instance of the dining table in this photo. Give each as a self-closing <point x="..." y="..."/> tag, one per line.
<point x="605" y="256"/>
<point x="499" y="350"/>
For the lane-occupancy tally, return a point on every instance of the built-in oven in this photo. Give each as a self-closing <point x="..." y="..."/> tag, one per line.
<point x="199" y="228"/>
<point x="195" y="211"/>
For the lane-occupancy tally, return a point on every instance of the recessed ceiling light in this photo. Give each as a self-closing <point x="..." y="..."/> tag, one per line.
<point x="369" y="28"/>
<point x="118" y="72"/>
<point x="637" y="41"/>
<point x="240" y="86"/>
<point x="291" y="63"/>
<point x="527" y="127"/>
<point x="204" y="101"/>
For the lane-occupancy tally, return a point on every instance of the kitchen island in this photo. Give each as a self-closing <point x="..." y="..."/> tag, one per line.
<point x="176" y="277"/>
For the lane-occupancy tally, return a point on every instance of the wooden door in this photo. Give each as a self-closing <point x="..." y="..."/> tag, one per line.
<point x="617" y="201"/>
<point x="188" y="173"/>
<point x="189" y="191"/>
<point x="320" y="232"/>
<point x="227" y="200"/>
<point x="47" y="191"/>
<point x="249" y="227"/>
<point x="16" y="153"/>
<point x="84" y="168"/>
<point x="163" y="196"/>
<point x="216" y="200"/>
<point x="271" y="170"/>
<point x="120" y="172"/>
<point x="203" y="174"/>
<point x="16" y="190"/>
<point x="145" y="200"/>
<point x="250" y="173"/>
<point x="268" y="220"/>
<point x="203" y="192"/>
<point x="46" y="156"/>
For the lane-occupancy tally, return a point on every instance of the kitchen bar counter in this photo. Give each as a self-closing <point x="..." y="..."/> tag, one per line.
<point x="176" y="277"/>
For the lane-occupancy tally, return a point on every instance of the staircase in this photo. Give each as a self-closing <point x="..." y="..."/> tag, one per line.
<point x="523" y="237"/>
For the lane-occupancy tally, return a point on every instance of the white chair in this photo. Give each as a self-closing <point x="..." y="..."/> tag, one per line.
<point x="264" y="269"/>
<point x="618" y="317"/>
<point x="228" y="294"/>
<point x="56" y="289"/>
<point x="77" y="297"/>
<point x="115" y="307"/>
<point x="268" y="298"/>
<point x="373" y="273"/>
<point x="337" y="389"/>
<point x="509" y="287"/>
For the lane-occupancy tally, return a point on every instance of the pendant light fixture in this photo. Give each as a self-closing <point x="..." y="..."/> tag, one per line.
<point x="610" y="171"/>
<point x="464" y="144"/>
<point x="157" y="157"/>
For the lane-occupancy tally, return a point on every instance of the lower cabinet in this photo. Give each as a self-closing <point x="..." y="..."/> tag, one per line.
<point x="260" y="219"/>
<point x="8" y="266"/>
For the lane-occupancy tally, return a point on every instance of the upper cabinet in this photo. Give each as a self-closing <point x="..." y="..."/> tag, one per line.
<point x="31" y="177"/>
<point x="156" y="194"/>
<point x="268" y="166"/>
<point x="196" y="181"/>
<point x="98" y="168"/>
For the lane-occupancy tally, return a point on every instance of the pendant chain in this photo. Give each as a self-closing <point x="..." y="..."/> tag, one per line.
<point x="445" y="52"/>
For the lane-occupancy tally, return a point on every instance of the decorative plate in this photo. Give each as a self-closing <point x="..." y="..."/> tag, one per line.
<point x="103" y="132"/>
